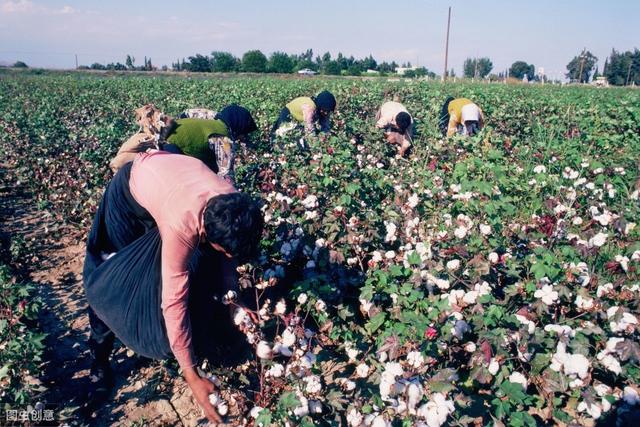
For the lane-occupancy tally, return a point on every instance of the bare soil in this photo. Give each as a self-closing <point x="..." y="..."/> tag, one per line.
<point x="146" y="392"/>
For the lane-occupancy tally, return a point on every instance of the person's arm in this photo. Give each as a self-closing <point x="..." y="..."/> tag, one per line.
<point x="176" y="253"/>
<point x="453" y="125"/>
<point x="308" y="116"/>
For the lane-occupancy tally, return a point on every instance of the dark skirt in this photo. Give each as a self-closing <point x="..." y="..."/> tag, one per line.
<point x="124" y="291"/>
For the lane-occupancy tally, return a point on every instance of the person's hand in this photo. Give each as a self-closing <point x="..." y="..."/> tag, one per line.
<point x="201" y="389"/>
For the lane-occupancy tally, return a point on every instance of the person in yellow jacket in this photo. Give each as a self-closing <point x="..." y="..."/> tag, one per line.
<point x="308" y="111"/>
<point x="460" y="116"/>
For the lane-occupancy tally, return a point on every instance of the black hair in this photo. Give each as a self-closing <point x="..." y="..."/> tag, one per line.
<point x="325" y="101"/>
<point x="473" y="127"/>
<point x="443" y="122"/>
<point x="234" y="221"/>
<point x="403" y="121"/>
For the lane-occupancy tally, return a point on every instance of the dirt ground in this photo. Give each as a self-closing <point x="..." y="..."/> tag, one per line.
<point x="146" y="392"/>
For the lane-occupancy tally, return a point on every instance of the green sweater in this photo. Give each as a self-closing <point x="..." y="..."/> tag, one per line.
<point x="192" y="137"/>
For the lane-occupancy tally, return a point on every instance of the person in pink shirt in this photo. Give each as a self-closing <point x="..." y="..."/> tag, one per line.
<point x="162" y="217"/>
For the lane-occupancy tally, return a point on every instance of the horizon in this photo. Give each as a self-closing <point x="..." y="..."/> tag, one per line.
<point x="106" y="33"/>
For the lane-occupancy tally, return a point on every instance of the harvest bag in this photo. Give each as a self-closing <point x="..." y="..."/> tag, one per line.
<point x="125" y="290"/>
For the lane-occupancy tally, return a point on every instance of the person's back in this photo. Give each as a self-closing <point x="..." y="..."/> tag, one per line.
<point x="174" y="188"/>
<point x="191" y="136"/>
<point x="296" y="107"/>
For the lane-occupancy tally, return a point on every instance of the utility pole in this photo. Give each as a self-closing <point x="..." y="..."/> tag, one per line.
<point x="626" y="83"/>
<point x="581" y="64"/>
<point x="76" y="61"/>
<point x="446" y="48"/>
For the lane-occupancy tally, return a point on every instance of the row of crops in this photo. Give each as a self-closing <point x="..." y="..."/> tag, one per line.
<point x="488" y="280"/>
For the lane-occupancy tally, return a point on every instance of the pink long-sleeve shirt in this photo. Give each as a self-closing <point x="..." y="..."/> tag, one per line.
<point x="175" y="190"/>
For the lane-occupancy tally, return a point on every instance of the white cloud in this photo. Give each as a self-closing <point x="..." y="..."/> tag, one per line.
<point x="29" y="7"/>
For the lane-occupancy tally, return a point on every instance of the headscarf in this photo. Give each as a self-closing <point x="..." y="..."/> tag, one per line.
<point x="237" y="119"/>
<point x="325" y="101"/>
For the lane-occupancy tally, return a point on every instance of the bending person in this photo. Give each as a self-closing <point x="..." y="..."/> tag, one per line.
<point x="309" y="111"/>
<point x="162" y="220"/>
<point x="213" y="141"/>
<point x="397" y="123"/>
<point x="460" y="116"/>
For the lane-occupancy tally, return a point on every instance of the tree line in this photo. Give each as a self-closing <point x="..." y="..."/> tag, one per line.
<point x="620" y="68"/>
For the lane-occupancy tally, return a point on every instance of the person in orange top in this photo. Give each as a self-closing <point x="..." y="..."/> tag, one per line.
<point x="460" y="116"/>
<point x="162" y="217"/>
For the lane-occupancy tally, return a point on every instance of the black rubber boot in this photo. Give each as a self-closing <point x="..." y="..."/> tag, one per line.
<point x="100" y="374"/>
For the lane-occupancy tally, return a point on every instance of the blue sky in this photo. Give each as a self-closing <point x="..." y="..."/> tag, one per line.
<point x="546" y="33"/>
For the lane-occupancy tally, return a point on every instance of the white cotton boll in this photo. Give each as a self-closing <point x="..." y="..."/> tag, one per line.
<point x="623" y="261"/>
<point x="604" y="289"/>
<point x="453" y="265"/>
<point x="223" y="408"/>
<point x="229" y="297"/>
<point x="303" y="409"/>
<point x="302" y="298"/>
<point x="263" y="350"/>
<point x="598" y="240"/>
<point x="460" y="232"/>
<point x="577" y="221"/>
<point x="362" y="370"/>
<point x="494" y="366"/>
<point x="390" y="255"/>
<point x="240" y="316"/>
<point x="602" y="389"/>
<point x="546" y="294"/>
<point x="584" y="303"/>
<point x="518" y="378"/>
<point x="413" y="200"/>
<point x="376" y="256"/>
<point x="255" y="412"/>
<point x="282" y="349"/>
<point x="321" y="306"/>
<point x="494" y="258"/>
<point x="560" y="329"/>
<point x="352" y="353"/>
<point x="391" y="229"/>
<point x="415" y="359"/>
<point x="540" y="169"/>
<point x="214" y="399"/>
<point x="414" y="395"/>
<point x="288" y="337"/>
<point x="313" y="384"/>
<point x="485" y="229"/>
<point x="380" y="421"/>
<point x="531" y="327"/>
<point x="470" y="347"/>
<point x="592" y="409"/>
<point x="281" y="308"/>
<point x="354" y="418"/>
<point x="310" y="202"/>
<point x="470" y="297"/>
<point x="610" y="362"/>
<point x="276" y="371"/>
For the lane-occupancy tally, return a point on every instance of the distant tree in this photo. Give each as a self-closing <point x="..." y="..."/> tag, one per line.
<point x="20" y="64"/>
<point x="409" y="74"/>
<point x="254" y="61"/>
<point x="623" y="68"/>
<point x="354" y="70"/>
<point x="197" y="64"/>
<point x="98" y="66"/>
<point x="224" y="62"/>
<point x="331" y="68"/>
<point x="130" y="62"/>
<point x="519" y="69"/>
<point x="423" y="72"/>
<point x="586" y="62"/>
<point x="117" y="66"/>
<point x="477" y="67"/>
<point x="164" y="68"/>
<point x="385" y="67"/>
<point x="369" y="63"/>
<point x="280" y="62"/>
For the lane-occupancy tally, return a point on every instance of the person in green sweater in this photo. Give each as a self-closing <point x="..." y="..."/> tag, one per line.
<point x="310" y="111"/>
<point x="211" y="140"/>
